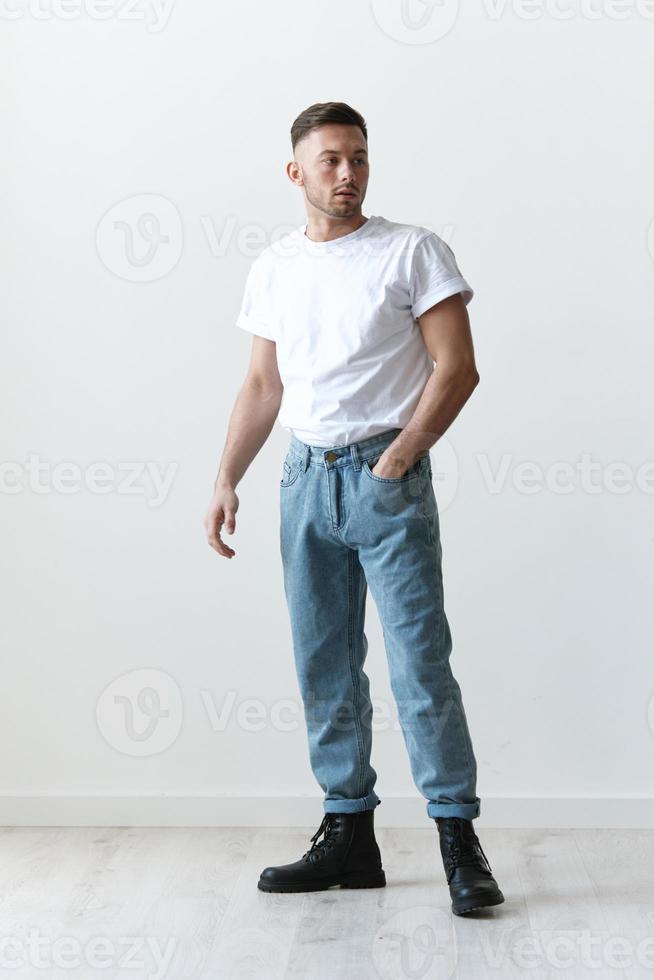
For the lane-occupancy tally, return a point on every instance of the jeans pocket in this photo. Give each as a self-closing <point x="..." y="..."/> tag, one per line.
<point x="413" y="471"/>
<point x="291" y="470"/>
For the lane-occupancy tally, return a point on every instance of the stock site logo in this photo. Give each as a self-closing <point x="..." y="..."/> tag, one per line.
<point x="140" y="239"/>
<point x="415" y="21"/>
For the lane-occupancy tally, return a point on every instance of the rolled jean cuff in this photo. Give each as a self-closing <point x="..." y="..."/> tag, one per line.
<point x="352" y="806"/>
<point x="467" y="811"/>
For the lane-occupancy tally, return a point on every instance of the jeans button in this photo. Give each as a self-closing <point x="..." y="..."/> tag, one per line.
<point x="330" y="457"/>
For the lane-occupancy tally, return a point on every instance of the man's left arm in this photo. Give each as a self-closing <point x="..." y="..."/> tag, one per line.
<point x="445" y="329"/>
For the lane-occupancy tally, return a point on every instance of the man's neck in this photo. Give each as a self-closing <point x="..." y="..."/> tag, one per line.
<point x="323" y="232"/>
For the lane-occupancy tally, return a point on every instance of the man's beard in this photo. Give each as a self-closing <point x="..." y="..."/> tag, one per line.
<point x="330" y="205"/>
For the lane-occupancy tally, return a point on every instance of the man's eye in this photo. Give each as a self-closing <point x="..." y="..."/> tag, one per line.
<point x="333" y="160"/>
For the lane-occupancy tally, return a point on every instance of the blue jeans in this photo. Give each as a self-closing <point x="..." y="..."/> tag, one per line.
<point x="343" y="529"/>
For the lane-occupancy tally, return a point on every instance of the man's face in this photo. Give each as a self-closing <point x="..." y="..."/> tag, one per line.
<point x="328" y="161"/>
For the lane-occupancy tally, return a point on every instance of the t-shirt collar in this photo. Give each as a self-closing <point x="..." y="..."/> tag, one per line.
<point x="336" y="242"/>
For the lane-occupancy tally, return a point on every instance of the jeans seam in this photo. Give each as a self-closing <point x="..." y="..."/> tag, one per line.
<point x="353" y="671"/>
<point x="340" y="496"/>
<point x="456" y="701"/>
<point x="424" y="509"/>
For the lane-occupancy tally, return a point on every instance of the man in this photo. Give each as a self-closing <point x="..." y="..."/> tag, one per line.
<point x="349" y="315"/>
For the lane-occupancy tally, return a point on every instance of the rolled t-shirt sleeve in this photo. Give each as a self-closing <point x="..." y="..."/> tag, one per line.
<point x="254" y="314"/>
<point x="435" y="275"/>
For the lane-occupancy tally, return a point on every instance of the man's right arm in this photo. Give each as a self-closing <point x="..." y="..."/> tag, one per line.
<point x="253" y="416"/>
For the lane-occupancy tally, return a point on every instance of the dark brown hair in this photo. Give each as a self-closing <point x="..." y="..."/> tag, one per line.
<point x="322" y="113"/>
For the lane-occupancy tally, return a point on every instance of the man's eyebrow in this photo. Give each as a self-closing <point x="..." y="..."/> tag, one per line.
<point x="360" y="149"/>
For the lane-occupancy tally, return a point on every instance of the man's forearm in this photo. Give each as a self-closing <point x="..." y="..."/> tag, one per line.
<point x="443" y="397"/>
<point x="250" y="424"/>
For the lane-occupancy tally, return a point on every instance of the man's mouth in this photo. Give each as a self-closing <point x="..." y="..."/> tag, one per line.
<point x="346" y="193"/>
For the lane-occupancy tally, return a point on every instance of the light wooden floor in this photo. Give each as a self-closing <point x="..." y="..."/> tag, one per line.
<point x="184" y="904"/>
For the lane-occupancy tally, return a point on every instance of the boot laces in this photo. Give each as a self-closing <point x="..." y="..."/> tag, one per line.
<point x="318" y="849"/>
<point x="463" y="849"/>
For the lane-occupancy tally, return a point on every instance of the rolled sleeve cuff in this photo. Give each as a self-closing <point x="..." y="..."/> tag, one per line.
<point x="449" y="288"/>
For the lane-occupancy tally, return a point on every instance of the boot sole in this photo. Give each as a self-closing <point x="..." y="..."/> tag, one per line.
<point x="358" y="880"/>
<point x="482" y="902"/>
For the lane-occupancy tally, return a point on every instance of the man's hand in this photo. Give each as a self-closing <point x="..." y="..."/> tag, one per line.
<point x="222" y="511"/>
<point x="390" y="466"/>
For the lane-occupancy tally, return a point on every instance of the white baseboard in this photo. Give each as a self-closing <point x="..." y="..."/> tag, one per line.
<point x="161" y="810"/>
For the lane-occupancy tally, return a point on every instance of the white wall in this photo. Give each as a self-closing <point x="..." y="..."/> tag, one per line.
<point x="527" y="143"/>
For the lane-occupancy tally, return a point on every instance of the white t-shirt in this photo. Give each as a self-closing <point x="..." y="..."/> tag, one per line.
<point x="343" y="314"/>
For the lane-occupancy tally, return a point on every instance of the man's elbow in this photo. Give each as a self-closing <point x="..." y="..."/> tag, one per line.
<point x="468" y="376"/>
<point x="462" y="370"/>
<point x="268" y="389"/>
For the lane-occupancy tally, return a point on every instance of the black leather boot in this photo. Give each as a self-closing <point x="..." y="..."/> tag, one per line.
<point x="469" y="875"/>
<point x="347" y="856"/>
